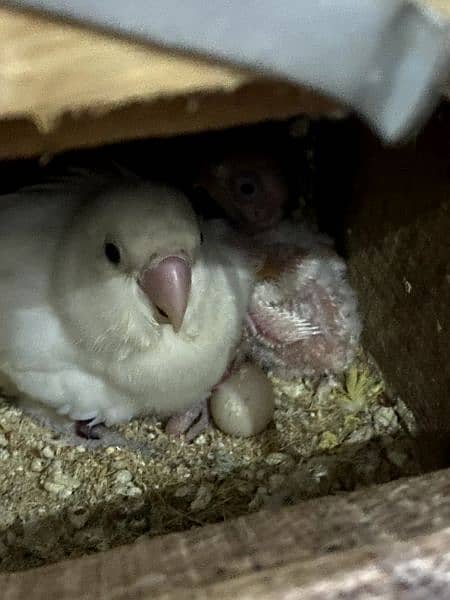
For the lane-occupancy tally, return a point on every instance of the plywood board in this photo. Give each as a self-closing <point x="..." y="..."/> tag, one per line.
<point x="65" y="86"/>
<point x="399" y="254"/>
<point x="371" y="543"/>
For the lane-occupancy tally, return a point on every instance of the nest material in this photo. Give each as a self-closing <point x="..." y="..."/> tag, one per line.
<point x="61" y="501"/>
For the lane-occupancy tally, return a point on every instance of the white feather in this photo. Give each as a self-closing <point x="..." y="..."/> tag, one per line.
<point x="78" y="337"/>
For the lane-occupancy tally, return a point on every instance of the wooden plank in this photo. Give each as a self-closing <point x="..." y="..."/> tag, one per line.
<point x="333" y="541"/>
<point x="399" y="251"/>
<point x="64" y="86"/>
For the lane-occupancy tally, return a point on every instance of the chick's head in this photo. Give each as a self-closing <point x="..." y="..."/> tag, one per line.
<point x="250" y="188"/>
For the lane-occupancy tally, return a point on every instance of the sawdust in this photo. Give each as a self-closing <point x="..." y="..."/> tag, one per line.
<point x="60" y="501"/>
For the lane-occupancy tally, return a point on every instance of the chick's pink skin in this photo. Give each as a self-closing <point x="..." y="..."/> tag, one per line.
<point x="303" y="319"/>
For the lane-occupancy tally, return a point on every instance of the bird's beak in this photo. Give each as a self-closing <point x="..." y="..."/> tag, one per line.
<point x="167" y="284"/>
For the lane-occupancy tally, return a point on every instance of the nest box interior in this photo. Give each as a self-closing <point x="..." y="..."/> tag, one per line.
<point x="387" y="209"/>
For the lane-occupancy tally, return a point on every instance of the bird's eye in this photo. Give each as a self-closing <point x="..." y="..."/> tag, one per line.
<point x="112" y="253"/>
<point x="247" y="185"/>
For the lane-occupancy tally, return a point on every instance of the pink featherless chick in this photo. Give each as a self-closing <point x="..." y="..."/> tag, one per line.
<point x="302" y="318"/>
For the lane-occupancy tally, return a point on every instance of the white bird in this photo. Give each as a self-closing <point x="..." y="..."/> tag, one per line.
<point x="110" y="305"/>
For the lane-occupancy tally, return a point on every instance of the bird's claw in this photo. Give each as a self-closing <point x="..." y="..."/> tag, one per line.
<point x="191" y="423"/>
<point x="86" y="430"/>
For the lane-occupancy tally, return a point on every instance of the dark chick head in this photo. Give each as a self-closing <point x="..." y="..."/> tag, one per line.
<point x="250" y="188"/>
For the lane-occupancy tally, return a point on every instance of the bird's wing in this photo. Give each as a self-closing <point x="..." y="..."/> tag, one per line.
<point x="285" y="324"/>
<point x="31" y="223"/>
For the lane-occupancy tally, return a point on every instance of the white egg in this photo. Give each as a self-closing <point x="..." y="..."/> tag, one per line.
<point x="243" y="405"/>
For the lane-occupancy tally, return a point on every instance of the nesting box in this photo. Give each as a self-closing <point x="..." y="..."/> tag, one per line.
<point x="65" y="88"/>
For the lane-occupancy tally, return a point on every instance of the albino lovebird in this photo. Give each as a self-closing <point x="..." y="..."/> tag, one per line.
<point x="113" y="303"/>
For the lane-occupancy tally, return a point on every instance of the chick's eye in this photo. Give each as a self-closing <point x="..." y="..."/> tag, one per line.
<point x="247" y="185"/>
<point x="112" y="253"/>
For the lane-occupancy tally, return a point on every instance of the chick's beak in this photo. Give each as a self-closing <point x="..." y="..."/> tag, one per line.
<point x="167" y="285"/>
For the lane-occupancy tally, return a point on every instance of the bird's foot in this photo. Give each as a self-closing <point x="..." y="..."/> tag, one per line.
<point x="191" y="423"/>
<point x="87" y="430"/>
